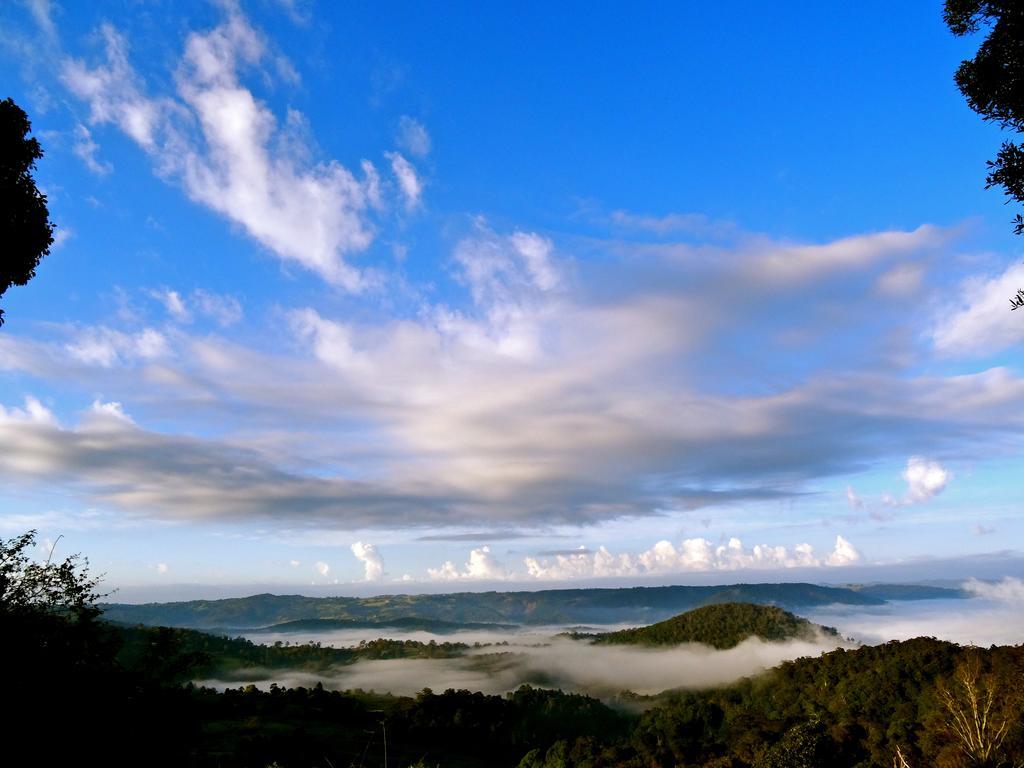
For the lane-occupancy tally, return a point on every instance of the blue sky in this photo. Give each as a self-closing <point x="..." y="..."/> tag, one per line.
<point x="378" y="297"/>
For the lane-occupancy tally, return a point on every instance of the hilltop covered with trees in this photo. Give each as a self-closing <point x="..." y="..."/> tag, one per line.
<point x="720" y="626"/>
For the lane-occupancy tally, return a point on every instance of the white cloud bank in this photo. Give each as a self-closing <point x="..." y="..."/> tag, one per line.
<point x="993" y="615"/>
<point x="1009" y="590"/>
<point x="691" y="555"/>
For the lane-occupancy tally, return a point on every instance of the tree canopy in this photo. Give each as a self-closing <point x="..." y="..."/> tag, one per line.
<point x="993" y="82"/>
<point x="25" y="228"/>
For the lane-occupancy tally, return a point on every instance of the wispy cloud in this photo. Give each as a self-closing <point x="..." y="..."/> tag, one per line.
<point x="87" y="151"/>
<point x="408" y="179"/>
<point x="413" y="137"/>
<point x="226" y="149"/>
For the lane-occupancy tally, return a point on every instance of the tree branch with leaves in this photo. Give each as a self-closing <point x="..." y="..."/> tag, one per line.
<point x="25" y="229"/>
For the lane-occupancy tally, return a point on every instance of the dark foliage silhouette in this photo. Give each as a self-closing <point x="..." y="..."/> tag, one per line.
<point x="993" y="82"/>
<point x="25" y="229"/>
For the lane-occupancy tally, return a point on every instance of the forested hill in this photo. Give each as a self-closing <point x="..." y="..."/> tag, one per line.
<point x="642" y="605"/>
<point x="721" y="626"/>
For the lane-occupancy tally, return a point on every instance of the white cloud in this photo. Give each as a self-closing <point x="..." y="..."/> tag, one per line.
<point x="373" y="563"/>
<point x="106" y="347"/>
<point x="333" y="342"/>
<point x="112" y="410"/>
<point x="42" y="12"/>
<point x="322" y="568"/>
<point x="287" y="71"/>
<point x="901" y="281"/>
<point x="61" y="236"/>
<point x="413" y="137"/>
<point x="844" y="553"/>
<point x="85" y="148"/>
<point x="536" y="252"/>
<point x="224" y="310"/>
<point x="481" y="566"/>
<point x="408" y="180"/>
<point x="925" y="479"/>
<point x="114" y="91"/>
<point x="855" y="501"/>
<point x="981" y="321"/>
<point x="162" y="568"/>
<point x="299" y="11"/>
<point x="173" y="303"/>
<point x="34" y="412"/>
<point x="691" y="223"/>
<point x="1009" y="590"/>
<point x="311" y="214"/>
<point x="502" y="270"/>
<point x="294" y="563"/>
<point x="784" y="265"/>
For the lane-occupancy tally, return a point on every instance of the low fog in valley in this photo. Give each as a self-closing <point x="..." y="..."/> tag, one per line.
<point x="538" y="656"/>
<point x="552" y="662"/>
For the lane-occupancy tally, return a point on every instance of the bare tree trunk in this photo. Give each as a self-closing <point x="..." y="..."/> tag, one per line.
<point x="975" y="712"/>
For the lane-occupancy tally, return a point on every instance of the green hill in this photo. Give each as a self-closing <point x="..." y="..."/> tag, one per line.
<point x="720" y="626"/>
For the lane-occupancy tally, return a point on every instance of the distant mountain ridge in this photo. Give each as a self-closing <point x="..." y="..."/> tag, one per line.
<point x="408" y="623"/>
<point x="642" y="605"/>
